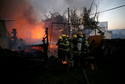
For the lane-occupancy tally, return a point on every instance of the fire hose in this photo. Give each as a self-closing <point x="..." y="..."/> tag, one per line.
<point x="83" y="82"/>
<point x="80" y="81"/>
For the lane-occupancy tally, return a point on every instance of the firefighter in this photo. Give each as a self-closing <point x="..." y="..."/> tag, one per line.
<point x="90" y="59"/>
<point x="85" y="45"/>
<point x="63" y="46"/>
<point x="82" y="44"/>
<point x="68" y="42"/>
<point x="67" y="37"/>
<point x="60" y="49"/>
<point x="79" y="50"/>
<point x="74" y="43"/>
<point x="66" y="47"/>
<point x="74" y="49"/>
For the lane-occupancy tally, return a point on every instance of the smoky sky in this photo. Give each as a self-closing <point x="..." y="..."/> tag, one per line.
<point x="25" y="19"/>
<point x="17" y="9"/>
<point x="44" y="6"/>
<point x="32" y="10"/>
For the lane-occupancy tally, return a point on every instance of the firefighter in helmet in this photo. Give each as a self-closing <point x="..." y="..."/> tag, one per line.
<point x="60" y="47"/>
<point x="68" y="42"/>
<point x="66" y="47"/>
<point x="67" y="37"/>
<point x="74" y="42"/>
<point x="79" y="44"/>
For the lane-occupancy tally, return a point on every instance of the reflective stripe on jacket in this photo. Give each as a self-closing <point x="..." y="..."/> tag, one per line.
<point x="66" y="45"/>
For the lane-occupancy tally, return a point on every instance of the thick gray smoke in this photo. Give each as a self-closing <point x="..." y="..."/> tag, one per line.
<point x="28" y="13"/>
<point x="44" y="6"/>
<point x="33" y="10"/>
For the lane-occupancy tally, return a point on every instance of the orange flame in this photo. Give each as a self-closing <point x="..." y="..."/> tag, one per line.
<point x="25" y="19"/>
<point x="27" y="50"/>
<point x="31" y="33"/>
<point x="64" y="62"/>
<point x="38" y="32"/>
<point x="37" y="48"/>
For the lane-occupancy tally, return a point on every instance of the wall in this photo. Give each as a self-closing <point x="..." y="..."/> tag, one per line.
<point x="4" y="43"/>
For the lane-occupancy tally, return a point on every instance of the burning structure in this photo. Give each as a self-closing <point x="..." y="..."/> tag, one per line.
<point x="57" y="25"/>
<point x="32" y="31"/>
<point x="6" y="40"/>
<point x="26" y="23"/>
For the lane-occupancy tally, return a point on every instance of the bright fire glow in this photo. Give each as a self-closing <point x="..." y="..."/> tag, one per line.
<point x="27" y="50"/>
<point x="64" y="62"/>
<point x="37" y="32"/>
<point x="31" y="33"/>
<point x="37" y="48"/>
<point x="24" y="18"/>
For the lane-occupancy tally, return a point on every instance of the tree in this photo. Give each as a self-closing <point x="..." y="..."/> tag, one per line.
<point x="74" y="19"/>
<point x="90" y="23"/>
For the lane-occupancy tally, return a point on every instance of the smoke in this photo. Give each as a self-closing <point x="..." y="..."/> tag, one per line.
<point x="27" y="8"/>
<point x="79" y="3"/>
<point x="60" y="6"/>
<point x="17" y="9"/>
<point x="28" y="14"/>
<point x="27" y="19"/>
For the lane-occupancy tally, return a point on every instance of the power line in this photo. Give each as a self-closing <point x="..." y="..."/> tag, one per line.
<point x="108" y="9"/>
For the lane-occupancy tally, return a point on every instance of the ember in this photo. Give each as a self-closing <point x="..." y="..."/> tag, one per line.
<point x="27" y="50"/>
<point x="37" y="48"/>
<point x="64" y="62"/>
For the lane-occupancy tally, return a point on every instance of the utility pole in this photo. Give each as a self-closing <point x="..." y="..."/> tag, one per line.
<point x="47" y="36"/>
<point x="68" y="23"/>
<point x="45" y="44"/>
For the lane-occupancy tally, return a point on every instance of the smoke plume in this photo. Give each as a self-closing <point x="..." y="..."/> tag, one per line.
<point x="60" y="6"/>
<point x="28" y="14"/>
<point x="26" y="19"/>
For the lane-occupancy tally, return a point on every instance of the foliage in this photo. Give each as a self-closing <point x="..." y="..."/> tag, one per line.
<point x="88" y="22"/>
<point x="74" y="18"/>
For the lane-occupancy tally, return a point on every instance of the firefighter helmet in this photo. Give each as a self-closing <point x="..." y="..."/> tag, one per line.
<point x="67" y="36"/>
<point x="60" y="37"/>
<point x="74" y="36"/>
<point x="63" y="35"/>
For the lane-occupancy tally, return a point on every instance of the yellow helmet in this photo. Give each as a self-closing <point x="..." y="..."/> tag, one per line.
<point x="60" y="37"/>
<point x="63" y="35"/>
<point x="74" y="36"/>
<point x="67" y="36"/>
